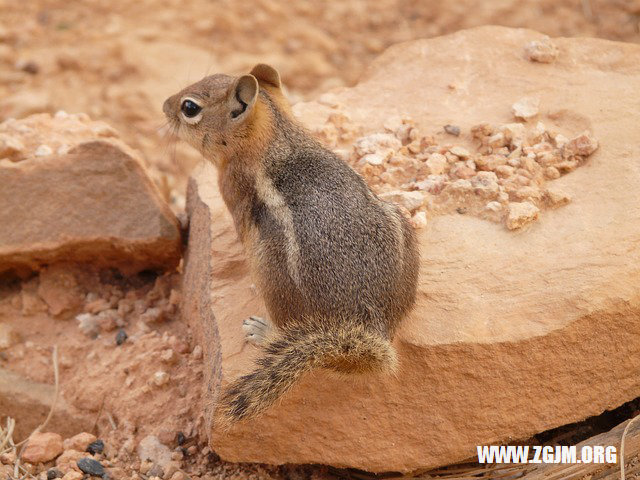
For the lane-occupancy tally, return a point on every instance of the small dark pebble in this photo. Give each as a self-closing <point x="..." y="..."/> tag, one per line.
<point x="121" y="336"/>
<point x="452" y="130"/>
<point x="461" y="210"/>
<point x="180" y="438"/>
<point x="53" y="473"/>
<point x="95" y="447"/>
<point x="90" y="466"/>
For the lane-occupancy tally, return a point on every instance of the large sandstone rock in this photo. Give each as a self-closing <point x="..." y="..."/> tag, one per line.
<point x="72" y="192"/>
<point x="514" y="332"/>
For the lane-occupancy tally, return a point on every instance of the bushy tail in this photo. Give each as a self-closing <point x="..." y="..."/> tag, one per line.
<point x="345" y="347"/>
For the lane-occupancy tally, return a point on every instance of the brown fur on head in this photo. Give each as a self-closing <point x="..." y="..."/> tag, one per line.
<point x="221" y="115"/>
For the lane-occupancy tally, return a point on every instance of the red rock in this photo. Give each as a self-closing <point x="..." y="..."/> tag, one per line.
<point x="67" y="461"/>
<point x="93" y="204"/>
<point x="79" y="442"/>
<point x="59" y="289"/>
<point x="42" y="447"/>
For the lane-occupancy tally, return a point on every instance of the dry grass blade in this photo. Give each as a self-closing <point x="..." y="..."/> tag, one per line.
<point x="6" y="435"/>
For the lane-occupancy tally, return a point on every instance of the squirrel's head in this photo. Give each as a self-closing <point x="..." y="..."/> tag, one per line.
<point x="220" y="114"/>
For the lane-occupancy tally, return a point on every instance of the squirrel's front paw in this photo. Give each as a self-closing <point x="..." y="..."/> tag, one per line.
<point x="256" y="329"/>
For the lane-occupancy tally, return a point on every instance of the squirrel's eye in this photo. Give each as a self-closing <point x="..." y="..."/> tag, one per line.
<point x="190" y="108"/>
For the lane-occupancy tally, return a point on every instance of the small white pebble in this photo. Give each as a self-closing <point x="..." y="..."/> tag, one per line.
<point x="168" y="355"/>
<point x="494" y="206"/>
<point x="437" y="163"/>
<point x="409" y="200"/>
<point x="543" y="50"/>
<point x="461" y="186"/>
<point x="526" y="108"/>
<point x="460" y="152"/>
<point x="196" y="354"/>
<point x="43" y="151"/>
<point x="556" y="197"/>
<point x="560" y="140"/>
<point x="520" y="214"/>
<point x="373" y="159"/>
<point x="160" y="378"/>
<point x="61" y="114"/>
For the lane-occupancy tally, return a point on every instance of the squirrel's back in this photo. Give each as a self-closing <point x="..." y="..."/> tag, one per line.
<point x="348" y="253"/>
<point x="337" y="267"/>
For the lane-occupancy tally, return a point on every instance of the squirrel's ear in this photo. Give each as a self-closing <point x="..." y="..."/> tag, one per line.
<point x="266" y="74"/>
<point x="242" y="95"/>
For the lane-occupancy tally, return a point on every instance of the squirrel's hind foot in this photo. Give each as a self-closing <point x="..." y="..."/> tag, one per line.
<point x="256" y="329"/>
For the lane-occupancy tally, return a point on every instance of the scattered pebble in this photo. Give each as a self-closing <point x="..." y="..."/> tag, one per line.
<point x="452" y="130"/>
<point x="512" y="163"/>
<point x="409" y="200"/>
<point x="42" y="447"/>
<point x="543" y="51"/>
<point x="526" y="108"/>
<point x="460" y="152"/>
<point x="43" y="151"/>
<point x="68" y="459"/>
<point x="88" y="324"/>
<point x="91" y="467"/>
<point x="151" y="449"/>
<point x="170" y="468"/>
<point x="520" y="214"/>
<point x="161" y="378"/>
<point x="53" y="473"/>
<point x="10" y="146"/>
<point x="196" y="354"/>
<point x="584" y="144"/>
<point x="373" y="159"/>
<point x="437" y="163"/>
<point x="96" y="446"/>
<point x="179" y="475"/>
<point x="72" y="475"/>
<point x="382" y="143"/>
<point x="555" y="197"/>
<point x="168" y="356"/>
<point x="79" y="442"/>
<point x="121" y="336"/>
<point x="8" y="458"/>
<point x="494" y="206"/>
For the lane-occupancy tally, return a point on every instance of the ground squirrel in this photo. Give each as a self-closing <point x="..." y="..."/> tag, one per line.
<point x="337" y="267"/>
